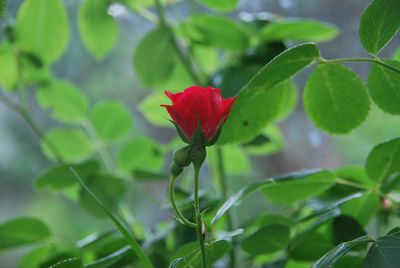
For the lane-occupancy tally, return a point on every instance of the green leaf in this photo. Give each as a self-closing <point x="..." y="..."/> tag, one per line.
<point x="207" y="58"/>
<point x="379" y="24"/>
<point x="217" y="249"/>
<point x="42" y="28"/>
<point x="330" y="207"/>
<point x="336" y="99"/>
<point x="384" y="252"/>
<point x="269" y="239"/>
<point x="137" y="4"/>
<point x="68" y="263"/>
<point x="289" y="99"/>
<point x="34" y="72"/>
<point x="189" y="254"/>
<point x="329" y="259"/>
<point x="268" y="219"/>
<point x="22" y="231"/>
<point x="109" y="259"/>
<point x="185" y="251"/>
<point x="150" y="157"/>
<point x="144" y="175"/>
<point x="294" y="178"/>
<point x="175" y="262"/>
<point x="217" y="31"/>
<point x="57" y="257"/>
<point x="154" y="57"/>
<point x="232" y="78"/>
<point x="37" y="256"/>
<point x="105" y="250"/>
<point x="297" y="264"/>
<point x="121" y="228"/>
<point x="298" y="30"/>
<point x="345" y="228"/>
<point x="309" y="246"/>
<point x="248" y="115"/>
<point x="269" y="141"/>
<point x="8" y="67"/>
<point x="362" y="209"/>
<point x="111" y="119"/>
<point x="384" y="87"/>
<point x="60" y="177"/>
<point x="392" y="184"/>
<point x="95" y="240"/>
<point x="97" y="28"/>
<point x="274" y="103"/>
<point x="151" y="110"/>
<point x="396" y="55"/>
<point x="289" y="191"/>
<point x="221" y="5"/>
<point x="107" y="188"/>
<point x="72" y="145"/>
<point x="178" y="80"/>
<point x="356" y="174"/>
<point x="234" y="160"/>
<point x="3" y="6"/>
<point x="350" y="261"/>
<point x="67" y="102"/>
<point x="383" y="160"/>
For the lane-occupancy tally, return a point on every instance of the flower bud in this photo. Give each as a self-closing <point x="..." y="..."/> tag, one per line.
<point x="386" y="203"/>
<point x="176" y="170"/>
<point x="190" y="113"/>
<point x="182" y="156"/>
<point x="199" y="154"/>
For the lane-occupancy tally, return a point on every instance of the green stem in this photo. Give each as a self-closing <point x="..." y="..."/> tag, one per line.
<point x="370" y="60"/>
<point x="352" y="184"/>
<point x="173" y="202"/>
<point x="23" y="98"/>
<point x="23" y="111"/>
<point x="125" y="231"/>
<point x="363" y="187"/>
<point x="224" y="190"/>
<point x="104" y="154"/>
<point x="199" y="218"/>
<point x="20" y="86"/>
<point x="31" y="122"/>
<point x="185" y="61"/>
<point x="146" y="14"/>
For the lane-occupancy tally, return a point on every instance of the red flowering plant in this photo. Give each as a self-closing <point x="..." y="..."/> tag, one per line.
<point x="198" y="114"/>
<point x="307" y="218"/>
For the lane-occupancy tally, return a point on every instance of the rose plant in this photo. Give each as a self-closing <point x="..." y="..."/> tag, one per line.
<point x="201" y="110"/>
<point x="230" y="82"/>
<point x="198" y="115"/>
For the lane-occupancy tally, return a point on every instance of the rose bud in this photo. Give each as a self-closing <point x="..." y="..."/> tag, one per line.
<point x="176" y="170"/>
<point x="386" y="203"/>
<point x="198" y="114"/>
<point x="182" y="157"/>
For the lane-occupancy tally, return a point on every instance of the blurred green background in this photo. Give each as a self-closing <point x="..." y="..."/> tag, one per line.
<point x="21" y="158"/>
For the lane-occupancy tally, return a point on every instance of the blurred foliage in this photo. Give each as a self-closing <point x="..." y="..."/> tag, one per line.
<point x="100" y="158"/>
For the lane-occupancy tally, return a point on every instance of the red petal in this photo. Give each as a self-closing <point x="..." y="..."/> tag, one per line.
<point x="214" y="119"/>
<point x="170" y="109"/>
<point x="199" y="105"/>
<point x="180" y="121"/>
<point x="173" y="97"/>
<point x="227" y="105"/>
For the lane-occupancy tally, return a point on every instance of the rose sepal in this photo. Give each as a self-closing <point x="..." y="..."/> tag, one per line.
<point x="180" y="132"/>
<point x="198" y="137"/>
<point x="216" y="136"/>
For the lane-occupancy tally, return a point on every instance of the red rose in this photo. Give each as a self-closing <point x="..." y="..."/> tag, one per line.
<point x="199" y="107"/>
